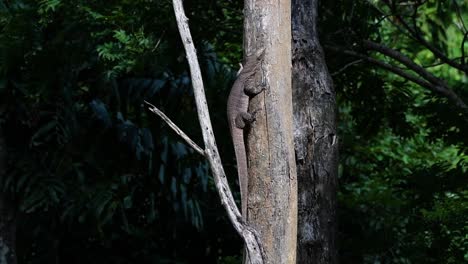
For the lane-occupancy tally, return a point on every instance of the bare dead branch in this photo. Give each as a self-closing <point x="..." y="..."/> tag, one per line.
<point x="248" y="234"/>
<point x="176" y="129"/>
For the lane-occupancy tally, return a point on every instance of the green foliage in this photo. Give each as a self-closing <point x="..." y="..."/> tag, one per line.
<point x="404" y="155"/>
<point x="48" y="5"/>
<point x="121" y="54"/>
<point x="394" y="186"/>
<point x="89" y="167"/>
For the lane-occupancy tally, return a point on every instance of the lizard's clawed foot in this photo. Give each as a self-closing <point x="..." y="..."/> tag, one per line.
<point x="260" y="53"/>
<point x="243" y="119"/>
<point x="240" y="69"/>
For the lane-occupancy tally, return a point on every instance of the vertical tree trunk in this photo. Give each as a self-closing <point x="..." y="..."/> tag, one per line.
<point x="7" y="216"/>
<point x="315" y="139"/>
<point x="272" y="190"/>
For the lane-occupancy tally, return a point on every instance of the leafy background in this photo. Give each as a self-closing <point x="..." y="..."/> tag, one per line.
<point x="97" y="178"/>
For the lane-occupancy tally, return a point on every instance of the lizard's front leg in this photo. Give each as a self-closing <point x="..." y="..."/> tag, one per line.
<point x="255" y="83"/>
<point x="252" y="90"/>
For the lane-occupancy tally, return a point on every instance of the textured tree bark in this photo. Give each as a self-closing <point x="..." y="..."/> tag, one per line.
<point x="315" y="140"/>
<point x="272" y="190"/>
<point x="7" y="216"/>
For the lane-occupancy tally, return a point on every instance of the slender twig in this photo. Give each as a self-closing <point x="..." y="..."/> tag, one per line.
<point x="176" y="129"/>
<point x="346" y="67"/>
<point x="387" y="16"/>
<point x="439" y="63"/>
<point x="248" y="234"/>
<point x="460" y="17"/>
<point x="159" y="41"/>
<point x="465" y="37"/>
<point x="382" y="18"/>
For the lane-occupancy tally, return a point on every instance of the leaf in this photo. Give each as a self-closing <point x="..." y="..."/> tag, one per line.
<point x="100" y="112"/>
<point x="147" y="140"/>
<point x="109" y="212"/>
<point x="110" y="51"/>
<point x="183" y="199"/>
<point x="127" y="202"/>
<point x="68" y="212"/>
<point x="3" y="84"/>
<point x="179" y="149"/>
<point x="199" y="216"/>
<point x="48" y="5"/>
<point x="100" y="202"/>
<point x="37" y="139"/>
<point x="174" y="187"/>
<point x="161" y="173"/>
<point x="138" y="89"/>
<point x="22" y="181"/>
<point x="187" y="175"/>
<point x="33" y="202"/>
<point x="128" y="134"/>
<point x="121" y="36"/>
<point x="152" y="209"/>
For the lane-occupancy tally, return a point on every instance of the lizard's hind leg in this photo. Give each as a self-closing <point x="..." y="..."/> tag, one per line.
<point x="243" y="119"/>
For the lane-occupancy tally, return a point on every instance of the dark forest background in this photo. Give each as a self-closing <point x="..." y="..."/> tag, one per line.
<point x="96" y="178"/>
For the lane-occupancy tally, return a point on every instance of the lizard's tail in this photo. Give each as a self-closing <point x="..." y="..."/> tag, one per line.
<point x="241" y="160"/>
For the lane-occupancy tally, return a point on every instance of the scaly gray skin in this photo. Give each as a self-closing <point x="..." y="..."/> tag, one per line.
<point x="238" y="117"/>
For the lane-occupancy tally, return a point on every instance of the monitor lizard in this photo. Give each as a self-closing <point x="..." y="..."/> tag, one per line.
<point x="237" y="106"/>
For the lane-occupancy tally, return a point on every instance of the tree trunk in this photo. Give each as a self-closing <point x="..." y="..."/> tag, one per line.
<point x="272" y="187"/>
<point x="315" y="139"/>
<point x="7" y="216"/>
